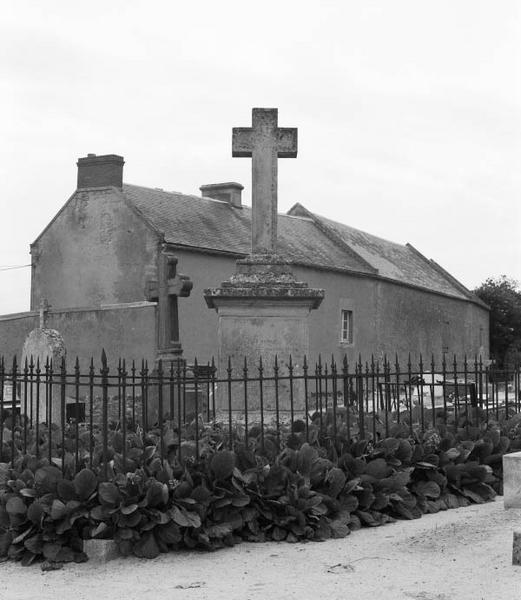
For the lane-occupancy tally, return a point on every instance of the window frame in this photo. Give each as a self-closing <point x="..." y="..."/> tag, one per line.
<point x="346" y="326"/>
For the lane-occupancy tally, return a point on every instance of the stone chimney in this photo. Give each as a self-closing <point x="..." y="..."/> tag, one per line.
<point x="228" y="192"/>
<point x="100" y="171"/>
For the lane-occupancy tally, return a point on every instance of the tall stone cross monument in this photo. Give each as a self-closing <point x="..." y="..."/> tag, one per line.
<point x="262" y="309"/>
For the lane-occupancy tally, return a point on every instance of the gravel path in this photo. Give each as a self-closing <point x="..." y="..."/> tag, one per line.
<point x="460" y="554"/>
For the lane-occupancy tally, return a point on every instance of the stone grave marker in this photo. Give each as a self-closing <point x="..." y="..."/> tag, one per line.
<point x="41" y="345"/>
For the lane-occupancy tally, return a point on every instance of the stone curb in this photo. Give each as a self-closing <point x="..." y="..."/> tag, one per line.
<point x="101" y="550"/>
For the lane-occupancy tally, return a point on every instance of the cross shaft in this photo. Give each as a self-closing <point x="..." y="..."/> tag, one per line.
<point x="165" y="290"/>
<point x="265" y="143"/>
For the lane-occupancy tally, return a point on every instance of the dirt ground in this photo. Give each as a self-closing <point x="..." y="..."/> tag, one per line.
<point x="461" y="554"/>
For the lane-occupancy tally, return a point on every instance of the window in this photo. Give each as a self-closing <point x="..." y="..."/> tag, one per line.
<point x="346" y="326"/>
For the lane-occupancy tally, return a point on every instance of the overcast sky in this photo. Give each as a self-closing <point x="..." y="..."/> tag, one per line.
<point x="408" y="111"/>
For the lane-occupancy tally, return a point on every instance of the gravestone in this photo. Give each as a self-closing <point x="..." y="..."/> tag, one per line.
<point x="262" y="309"/>
<point x="165" y="289"/>
<point x="43" y="346"/>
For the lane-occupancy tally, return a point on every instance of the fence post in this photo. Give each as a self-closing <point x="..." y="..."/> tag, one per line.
<point x="104" y="399"/>
<point x="276" y="381"/>
<point x="291" y="399"/>
<point x="23" y="418"/>
<point x="124" y="418"/>
<point x="196" y="407"/>
<point x="334" y="389"/>
<point x="77" y="412"/>
<point x="245" y="380"/>
<point x="2" y="379"/>
<point x="160" y="407"/>
<point x="360" y="396"/>
<point x="63" y="380"/>
<point x="48" y="399"/>
<point x="13" y="409"/>
<point x="306" y="407"/>
<point x="91" y="410"/>
<point x="229" y="388"/>
<point x="261" y="398"/>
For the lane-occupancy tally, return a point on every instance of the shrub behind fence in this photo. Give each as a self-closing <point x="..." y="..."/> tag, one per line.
<point x="76" y="417"/>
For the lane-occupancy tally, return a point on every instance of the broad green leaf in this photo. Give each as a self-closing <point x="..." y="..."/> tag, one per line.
<point x="169" y="533"/>
<point x="58" y="510"/>
<point x="35" y="512"/>
<point x="147" y="546"/>
<point x="65" y="490"/>
<point x="46" y="478"/>
<point x="108" y="493"/>
<point x="185" y="518"/>
<point x="128" y="509"/>
<point x="15" y="506"/>
<point x="85" y="484"/>
<point x="429" y="489"/>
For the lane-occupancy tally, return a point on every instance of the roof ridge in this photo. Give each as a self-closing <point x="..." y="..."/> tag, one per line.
<point x="444" y="273"/>
<point x="328" y="231"/>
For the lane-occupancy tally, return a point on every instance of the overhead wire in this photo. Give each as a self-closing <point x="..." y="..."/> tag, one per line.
<point x="11" y="267"/>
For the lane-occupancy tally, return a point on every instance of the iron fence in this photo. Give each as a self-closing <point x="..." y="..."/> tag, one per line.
<point x="66" y="414"/>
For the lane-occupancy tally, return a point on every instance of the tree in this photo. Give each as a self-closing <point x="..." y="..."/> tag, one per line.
<point x="503" y="296"/>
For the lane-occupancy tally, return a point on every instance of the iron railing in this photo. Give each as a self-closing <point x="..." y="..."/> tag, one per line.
<point x="68" y="414"/>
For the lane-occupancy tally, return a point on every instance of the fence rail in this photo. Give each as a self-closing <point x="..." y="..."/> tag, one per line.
<point x="66" y="414"/>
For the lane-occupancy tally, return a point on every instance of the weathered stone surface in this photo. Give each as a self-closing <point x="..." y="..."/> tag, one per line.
<point x="512" y="480"/>
<point x="101" y="550"/>
<point x="516" y="548"/>
<point x="165" y="290"/>
<point x="262" y="309"/>
<point x="43" y="348"/>
<point x="265" y="143"/>
<point x="263" y="313"/>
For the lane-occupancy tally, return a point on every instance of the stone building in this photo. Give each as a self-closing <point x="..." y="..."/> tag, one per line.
<point x="98" y="262"/>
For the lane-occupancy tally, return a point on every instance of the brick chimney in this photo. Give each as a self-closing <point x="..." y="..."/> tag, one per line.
<point x="100" y="171"/>
<point x="228" y="192"/>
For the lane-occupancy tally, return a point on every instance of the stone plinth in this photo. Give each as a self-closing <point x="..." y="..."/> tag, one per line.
<point x="42" y="345"/>
<point x="263" y="312"/>
<point x="512" y="480"/>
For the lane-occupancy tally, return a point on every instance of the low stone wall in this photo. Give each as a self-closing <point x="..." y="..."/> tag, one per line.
<point x="123" y="330"/>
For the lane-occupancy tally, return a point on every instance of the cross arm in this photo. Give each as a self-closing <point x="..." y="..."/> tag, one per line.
<point x="287" y="142"/>
<point x="242" y="141"/>
<point x="180" y="285"/>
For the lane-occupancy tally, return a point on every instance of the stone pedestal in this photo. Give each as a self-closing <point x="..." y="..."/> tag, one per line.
<point x="263" y="313"/>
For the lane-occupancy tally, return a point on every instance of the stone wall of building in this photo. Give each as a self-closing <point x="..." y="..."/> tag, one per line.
<point x="96" y="251"/>
<point x="126" y="330"/>
<point x="388" y="318"/>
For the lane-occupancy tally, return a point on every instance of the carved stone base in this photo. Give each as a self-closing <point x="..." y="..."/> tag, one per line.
<point x="263" y="313"/>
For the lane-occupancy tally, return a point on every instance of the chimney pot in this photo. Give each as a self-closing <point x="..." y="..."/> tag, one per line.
<point x="228" y="192"/>
<point x="100" y="171"/>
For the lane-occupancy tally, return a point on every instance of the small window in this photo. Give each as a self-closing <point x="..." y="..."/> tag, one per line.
<point x="346" y="326"/>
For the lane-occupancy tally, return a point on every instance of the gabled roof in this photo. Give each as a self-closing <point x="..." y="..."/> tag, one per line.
<point x="303" y="238"/>
<point x="210" y="224"/>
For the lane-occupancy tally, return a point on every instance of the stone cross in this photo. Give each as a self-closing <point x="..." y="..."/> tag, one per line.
<point x="44" y="312"/>
<point x="165" y="291"/>
<point x="265" y="142"/>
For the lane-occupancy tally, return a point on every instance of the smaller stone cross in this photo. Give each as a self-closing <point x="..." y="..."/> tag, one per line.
<point x="265" y="142"/>
<point x="44" y="312"/>
<point x="169" y="286"/>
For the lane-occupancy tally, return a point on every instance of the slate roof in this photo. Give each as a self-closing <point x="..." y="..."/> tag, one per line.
<point x="303" y="238"/>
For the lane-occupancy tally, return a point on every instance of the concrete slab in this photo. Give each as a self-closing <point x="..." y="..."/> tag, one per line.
<point x="512" y="480"/>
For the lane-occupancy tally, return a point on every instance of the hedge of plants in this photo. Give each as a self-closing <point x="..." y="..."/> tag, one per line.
<point x="267" y="489"/>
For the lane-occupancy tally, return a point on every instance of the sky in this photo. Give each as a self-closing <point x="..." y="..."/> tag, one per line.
<point x="408" y="114"/>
